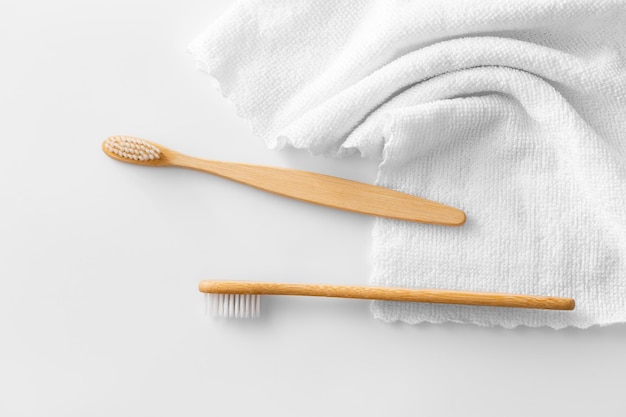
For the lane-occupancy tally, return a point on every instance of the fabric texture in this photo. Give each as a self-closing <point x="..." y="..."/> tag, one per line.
<point x="514" y="112"/>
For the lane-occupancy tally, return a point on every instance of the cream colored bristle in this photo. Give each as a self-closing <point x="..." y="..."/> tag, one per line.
<point x="132" y="148"/>
<point x="234" y="306"/>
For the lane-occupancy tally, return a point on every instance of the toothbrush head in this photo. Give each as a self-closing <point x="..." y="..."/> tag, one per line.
<point x="234" y="306"/>
<point x="133" y="150"/>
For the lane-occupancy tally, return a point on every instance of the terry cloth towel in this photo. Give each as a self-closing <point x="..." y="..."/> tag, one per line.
<point x="514" y="112"/>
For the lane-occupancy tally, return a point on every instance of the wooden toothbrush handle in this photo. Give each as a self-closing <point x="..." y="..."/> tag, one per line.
<point x="331" y="191"/>
<point x="390" y="294"/>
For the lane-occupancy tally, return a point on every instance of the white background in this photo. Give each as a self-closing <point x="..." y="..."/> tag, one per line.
<point x="99" y="260"/>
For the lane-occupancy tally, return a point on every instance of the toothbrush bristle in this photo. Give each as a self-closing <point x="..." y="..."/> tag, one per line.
<point x="234" y="306"/>
<point x="132" y="148"/>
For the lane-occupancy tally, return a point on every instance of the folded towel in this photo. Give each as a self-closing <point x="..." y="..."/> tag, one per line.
<point x="514" y="112"/>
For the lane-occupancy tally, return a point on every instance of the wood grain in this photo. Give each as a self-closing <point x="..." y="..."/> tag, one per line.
<point x="316" y="188"/>
<point x="390" y="294"/>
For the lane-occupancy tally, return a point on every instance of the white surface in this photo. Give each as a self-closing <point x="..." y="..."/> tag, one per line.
<point x="99" y="261"/>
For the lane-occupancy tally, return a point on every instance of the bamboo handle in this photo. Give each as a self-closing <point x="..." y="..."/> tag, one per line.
<point x="390" y="294"/>
<point x="330" y="191"/>
<point x="314" y="188"/>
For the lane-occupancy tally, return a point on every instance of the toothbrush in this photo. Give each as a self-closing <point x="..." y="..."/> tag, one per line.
<point x="300" y="185"/>
<point x="242" y="299"/>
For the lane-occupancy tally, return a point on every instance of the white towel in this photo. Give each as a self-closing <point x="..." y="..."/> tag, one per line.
<point x="514" y="112"/>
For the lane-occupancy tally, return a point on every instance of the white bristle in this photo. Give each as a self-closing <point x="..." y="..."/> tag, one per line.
<point x="132" y="148"/>
<point x="234" y="306"/>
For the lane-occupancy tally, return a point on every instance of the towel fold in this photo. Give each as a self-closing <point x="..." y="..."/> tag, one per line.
<point x="515" y="113"/>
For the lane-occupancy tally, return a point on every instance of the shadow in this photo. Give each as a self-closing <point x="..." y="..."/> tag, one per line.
<point x="352" y="167"/>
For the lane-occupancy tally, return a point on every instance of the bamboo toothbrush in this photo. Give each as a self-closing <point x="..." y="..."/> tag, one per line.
<point x="242" y="299"/>
<point x="301" y="185"/>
